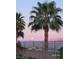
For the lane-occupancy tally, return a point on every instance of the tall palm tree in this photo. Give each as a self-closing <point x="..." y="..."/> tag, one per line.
<point x="20" y="24"/>
<point x="46" y="16"/>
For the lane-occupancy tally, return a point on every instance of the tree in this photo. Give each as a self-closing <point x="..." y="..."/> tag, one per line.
<point x="20" y="24"/>
<point x="46" y="16"/>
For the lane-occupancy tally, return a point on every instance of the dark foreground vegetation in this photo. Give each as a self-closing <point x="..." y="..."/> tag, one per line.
<point x="22" y="57"/>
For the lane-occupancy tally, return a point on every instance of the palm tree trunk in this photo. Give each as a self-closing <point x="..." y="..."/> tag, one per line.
<point x="46" y="39"/>
<point x="16" y="35"/>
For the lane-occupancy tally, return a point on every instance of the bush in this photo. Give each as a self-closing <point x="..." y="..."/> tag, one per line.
<point x="61" y="52"/>
<point x="22" y="57"/>
<point x="31" y="58"/>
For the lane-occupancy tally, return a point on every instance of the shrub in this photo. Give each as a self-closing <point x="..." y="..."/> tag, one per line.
<point x="61" y="52"/>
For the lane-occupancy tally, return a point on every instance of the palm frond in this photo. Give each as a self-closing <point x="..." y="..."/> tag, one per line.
<point x="58" y="10"/>
<point x="36" y="8"/>
<point x="36" y="27"/>
<point x="58" y="20"/>
<point x="35" y="12"/>
<point x="39" y="4"/>
<point x="20" y="23"/>
<point x="32" y="16"/>
<point x="42" y="15"/>
<point x="31" y="23"/>
<point x="54" y="25"/>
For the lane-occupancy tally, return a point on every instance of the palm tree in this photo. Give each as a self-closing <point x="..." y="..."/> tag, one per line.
<point x="46" y="16"/>
<point x="20" y="24"/>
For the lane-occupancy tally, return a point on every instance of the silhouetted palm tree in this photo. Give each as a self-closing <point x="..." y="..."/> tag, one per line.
<point x="45" y="16"/>
<point x="20" y="24"/>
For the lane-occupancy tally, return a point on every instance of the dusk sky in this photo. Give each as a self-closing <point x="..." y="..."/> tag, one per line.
<point x="24" y="7"/>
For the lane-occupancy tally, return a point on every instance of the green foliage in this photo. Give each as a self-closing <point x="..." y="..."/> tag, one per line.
<point x="31" y="58"/>
<point x="22" y="57"/>
<point x="46" y="15"/>
<point x="61" y="52"/>
<point x="20" y="24"/>
<point x="20" y="33"/>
